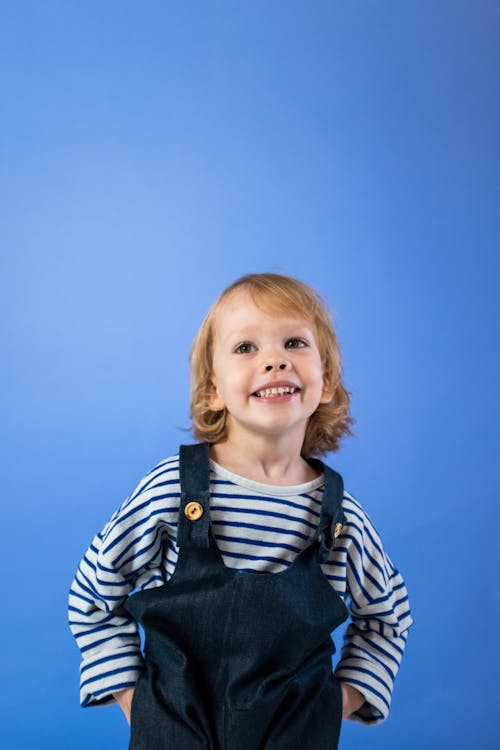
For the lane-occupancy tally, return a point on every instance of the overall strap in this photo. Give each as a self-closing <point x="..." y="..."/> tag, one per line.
<point x="193" y="526"/>
<point x="332" y="517"/>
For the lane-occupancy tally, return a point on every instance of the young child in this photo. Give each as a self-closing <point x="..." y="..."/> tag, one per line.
<point x="245" y="553"/>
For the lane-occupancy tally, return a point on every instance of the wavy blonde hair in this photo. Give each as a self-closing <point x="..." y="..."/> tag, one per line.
<point x="275" y="293"/>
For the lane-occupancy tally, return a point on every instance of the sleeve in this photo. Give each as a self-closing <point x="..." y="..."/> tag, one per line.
<point x="380" y="617"/>
<point x="125" y="555"/>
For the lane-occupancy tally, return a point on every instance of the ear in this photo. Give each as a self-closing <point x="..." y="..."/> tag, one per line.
<point x="328" y="391"/>
<point x="326" y="396"/>
<point x="215" y="401"/>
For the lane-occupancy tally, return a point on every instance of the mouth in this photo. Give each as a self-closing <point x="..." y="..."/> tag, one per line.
<point x="280" y="392"/>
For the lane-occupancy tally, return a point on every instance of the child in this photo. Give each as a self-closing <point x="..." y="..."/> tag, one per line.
<point x="243" y="552"/>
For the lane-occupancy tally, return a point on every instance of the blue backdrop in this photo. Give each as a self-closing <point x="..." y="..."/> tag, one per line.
<point x="153" y="152"/>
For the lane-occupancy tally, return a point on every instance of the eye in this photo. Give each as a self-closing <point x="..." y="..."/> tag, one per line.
<point x="295" y="343"/>
<point x="244" y="348"/>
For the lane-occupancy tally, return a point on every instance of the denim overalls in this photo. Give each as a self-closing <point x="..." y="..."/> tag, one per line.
<point x="238" y="661"/>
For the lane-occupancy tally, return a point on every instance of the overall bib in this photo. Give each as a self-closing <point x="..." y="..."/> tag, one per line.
<point x="238" y="661"/>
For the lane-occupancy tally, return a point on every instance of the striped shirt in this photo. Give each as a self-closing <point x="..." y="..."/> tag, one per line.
<point x="257" y="528"/>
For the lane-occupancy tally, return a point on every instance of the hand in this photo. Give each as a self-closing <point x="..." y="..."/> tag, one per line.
<point x="352" y="699"/>
<point x="124" y="698"/>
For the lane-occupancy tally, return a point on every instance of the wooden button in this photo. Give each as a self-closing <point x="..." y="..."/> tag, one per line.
<point x="337" y="530"/>
<point x="193" y="511"/>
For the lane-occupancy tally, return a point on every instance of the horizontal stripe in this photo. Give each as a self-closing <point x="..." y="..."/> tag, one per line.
<point x="259" y="527"/>
<point x="257" y="530"/>
<point x="118" y="686"/>
<point x="105" y="675"/>
<point x="377" y="647"/>
<point x="268" y="513"/>
<point x="107" y="659"/>
<point x="96" y="643"/>
<point x="354" y="649"/>
<point x="259" y="500"/>
<point x="130" y="528"/>
<point x="256" y="542"/>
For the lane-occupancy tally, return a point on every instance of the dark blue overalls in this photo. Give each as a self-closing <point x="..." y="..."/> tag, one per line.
<point x="238" y="661"/>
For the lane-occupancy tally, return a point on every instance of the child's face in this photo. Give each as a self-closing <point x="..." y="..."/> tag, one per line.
<point x="255" y="351"/>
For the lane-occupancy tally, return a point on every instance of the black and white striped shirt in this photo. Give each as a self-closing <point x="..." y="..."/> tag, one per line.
<point x="258" y="528"/>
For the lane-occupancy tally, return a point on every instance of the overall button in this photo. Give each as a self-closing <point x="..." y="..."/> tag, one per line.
<point x="193" y="511"/>
<point x="337" y="530"/>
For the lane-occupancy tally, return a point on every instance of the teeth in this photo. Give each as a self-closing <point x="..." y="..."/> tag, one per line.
<point x="267" y="392"/>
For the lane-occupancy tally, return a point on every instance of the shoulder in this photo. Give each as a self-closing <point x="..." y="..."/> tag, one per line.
<point x="358" y="523"/>
<point x="159" y="487"/>
<point x="167" y="469"/>
<point x="353" y="510"/>
<point x="158" y="481"/>
<point x="161" y="475"/>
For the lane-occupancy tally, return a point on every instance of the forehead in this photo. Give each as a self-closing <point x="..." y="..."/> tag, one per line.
<point x="240" y="312"/>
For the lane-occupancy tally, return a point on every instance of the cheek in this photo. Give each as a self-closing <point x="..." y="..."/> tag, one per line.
<point x="226" y="384"/>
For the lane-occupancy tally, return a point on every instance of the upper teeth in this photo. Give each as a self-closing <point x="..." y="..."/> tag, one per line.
<point x="276" y="391"/>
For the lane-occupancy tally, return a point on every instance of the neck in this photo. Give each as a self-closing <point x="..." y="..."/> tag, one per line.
<point x="270" y="461"/>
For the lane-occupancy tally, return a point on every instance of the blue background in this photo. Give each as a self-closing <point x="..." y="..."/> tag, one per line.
<point x="150" y="154"/>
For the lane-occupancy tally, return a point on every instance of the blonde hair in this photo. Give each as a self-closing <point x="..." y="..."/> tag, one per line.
<point x="275" y="293"/>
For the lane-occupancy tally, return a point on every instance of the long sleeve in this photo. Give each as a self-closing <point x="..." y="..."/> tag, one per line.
<point x="125" y="555"/>
<point x="137" y="550"/>
<point x="380" y="616"/>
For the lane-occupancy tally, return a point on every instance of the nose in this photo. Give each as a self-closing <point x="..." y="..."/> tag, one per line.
<point x="276" y="362"/>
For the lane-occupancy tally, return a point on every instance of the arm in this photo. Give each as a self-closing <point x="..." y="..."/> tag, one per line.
<point x="375" y="639"/>
<point x="106" y="635"/>
<point x="125" y="555"/>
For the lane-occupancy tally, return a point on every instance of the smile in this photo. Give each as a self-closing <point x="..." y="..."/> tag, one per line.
<point x="273" y="392"/>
